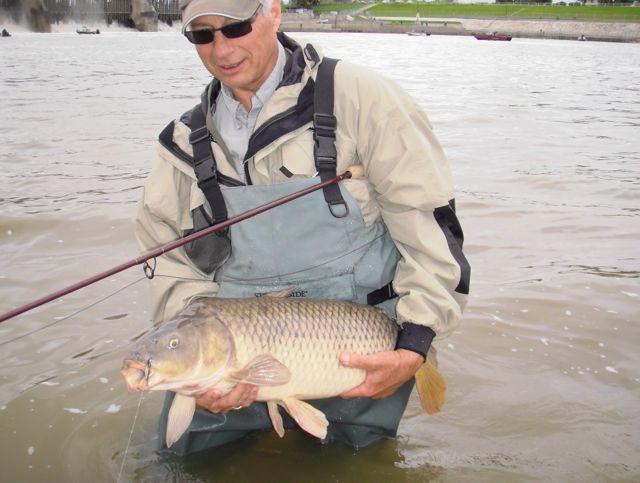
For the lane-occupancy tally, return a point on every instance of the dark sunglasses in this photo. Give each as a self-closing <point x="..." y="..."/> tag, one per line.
<point x="231" y="31"/>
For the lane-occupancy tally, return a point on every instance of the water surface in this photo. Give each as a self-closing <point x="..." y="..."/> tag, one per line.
<point x="543" y="373"/>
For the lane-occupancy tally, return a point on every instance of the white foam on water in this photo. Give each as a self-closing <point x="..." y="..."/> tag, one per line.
<point x="567" y="312"/>
<point x="544" y="340"/>
<point x="103" y="380"/>
<point x="630" y="294"/>
<point x="513" y="349"/>
<point x="611" y="369"/>
<point x="50" y="383"/>
<point x="75" y="411"/>
<point x="113" y="409"/>
<point x="30" y="450"/>
<point x="611" y="312"/>
<point x="450" y="346"/>
<point x="9" y="232"/>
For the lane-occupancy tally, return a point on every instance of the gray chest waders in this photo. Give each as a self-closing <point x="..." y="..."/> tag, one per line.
<point x="319" y="243"/>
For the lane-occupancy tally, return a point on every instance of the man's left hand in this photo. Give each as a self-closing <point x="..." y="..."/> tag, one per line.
<point x="386" y="372"/>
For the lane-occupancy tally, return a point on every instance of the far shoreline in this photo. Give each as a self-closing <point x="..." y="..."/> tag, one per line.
<point x="591" y="30"/>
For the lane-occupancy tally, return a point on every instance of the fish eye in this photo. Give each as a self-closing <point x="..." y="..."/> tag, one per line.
<point x="173" y="343"/>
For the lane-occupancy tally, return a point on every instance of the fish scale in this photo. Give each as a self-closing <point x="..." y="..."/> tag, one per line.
<point x="306" y="336"/>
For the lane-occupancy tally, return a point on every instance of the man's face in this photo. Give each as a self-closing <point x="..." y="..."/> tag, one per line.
<point x="243" y="63"/>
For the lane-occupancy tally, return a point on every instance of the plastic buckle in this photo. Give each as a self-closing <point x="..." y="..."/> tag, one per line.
<point x="204" y="171"/>
<point x="328" y="121"/>
<point x="198" y="135"/>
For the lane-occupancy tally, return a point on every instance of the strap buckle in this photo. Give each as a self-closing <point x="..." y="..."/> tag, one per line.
<point x="204" y="171"/>
<point x="199" y="134"/>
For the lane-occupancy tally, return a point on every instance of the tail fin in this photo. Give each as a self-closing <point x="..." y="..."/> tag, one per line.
<point x="431" y="385"/>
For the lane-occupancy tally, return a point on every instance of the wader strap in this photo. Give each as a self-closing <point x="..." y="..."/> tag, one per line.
<point x="204" y="165"/>
<point x="324" y="124"/>
<point x="381" y="295"/>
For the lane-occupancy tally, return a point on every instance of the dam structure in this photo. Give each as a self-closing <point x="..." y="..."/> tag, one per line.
<point x="140" y="14"/>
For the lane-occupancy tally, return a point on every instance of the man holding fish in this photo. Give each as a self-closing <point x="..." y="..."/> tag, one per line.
<point x="276" y="118"/>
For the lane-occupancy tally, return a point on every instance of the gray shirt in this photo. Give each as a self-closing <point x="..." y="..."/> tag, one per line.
<point x="234" y="123"/>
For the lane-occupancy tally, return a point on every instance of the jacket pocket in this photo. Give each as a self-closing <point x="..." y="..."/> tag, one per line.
<point x="297" y="157"/>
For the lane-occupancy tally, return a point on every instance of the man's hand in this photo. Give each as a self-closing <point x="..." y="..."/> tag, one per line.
<point x="241" y="396"/>
<point x="386" y="372"/>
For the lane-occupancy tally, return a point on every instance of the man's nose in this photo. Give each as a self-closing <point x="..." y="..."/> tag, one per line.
<point x="221" y="45"/>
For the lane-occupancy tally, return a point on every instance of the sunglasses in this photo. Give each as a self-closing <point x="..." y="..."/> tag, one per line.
<point x="231" y="31"/>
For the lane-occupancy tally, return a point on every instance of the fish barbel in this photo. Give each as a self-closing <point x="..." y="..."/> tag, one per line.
<point x="288" y="347"/>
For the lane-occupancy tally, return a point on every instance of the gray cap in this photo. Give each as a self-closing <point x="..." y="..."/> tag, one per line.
<point x="235" y="9"/>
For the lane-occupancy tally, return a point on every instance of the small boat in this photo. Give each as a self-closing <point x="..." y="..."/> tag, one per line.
<point x="418" y="34"/>
<point x="87" y="30"/>
<point x="492" y="36"/>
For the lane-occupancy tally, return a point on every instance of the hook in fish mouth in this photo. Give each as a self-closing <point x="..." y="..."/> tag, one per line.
<point x="136" y="374"/>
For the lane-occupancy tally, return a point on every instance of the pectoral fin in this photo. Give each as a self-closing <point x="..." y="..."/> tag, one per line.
<point x="310" y="419"/>
<point x="276" y="418"/>
<point x="431" y="385"/>
<point x="264" y="370"/>
<point x="180" y="416"/>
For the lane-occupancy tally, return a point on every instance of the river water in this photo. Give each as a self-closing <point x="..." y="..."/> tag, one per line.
<point x="543" y="374"/>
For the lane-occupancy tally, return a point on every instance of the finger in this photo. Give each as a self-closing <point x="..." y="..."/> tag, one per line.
<point x="208" y="394"/>
<point x="236" y="397"/>
<point x="363" y="390"/>
<point x="351" y="359"/>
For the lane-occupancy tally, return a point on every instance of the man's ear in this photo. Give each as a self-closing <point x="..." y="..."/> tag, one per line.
<point x="276" y="14"/>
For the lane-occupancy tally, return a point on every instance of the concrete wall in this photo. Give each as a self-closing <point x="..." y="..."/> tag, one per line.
<point x="554" y="29"/>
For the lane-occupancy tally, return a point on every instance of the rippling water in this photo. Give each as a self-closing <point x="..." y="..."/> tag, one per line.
<point x="543" y="373"/>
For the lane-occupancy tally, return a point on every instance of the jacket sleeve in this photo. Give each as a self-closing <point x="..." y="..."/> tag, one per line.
<point x="414" y="190"/>
<point x="164" y="214"/>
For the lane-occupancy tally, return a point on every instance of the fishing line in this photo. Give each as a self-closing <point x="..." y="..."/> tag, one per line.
<point x="126" y="450"/>
<point x="93" y="304"/>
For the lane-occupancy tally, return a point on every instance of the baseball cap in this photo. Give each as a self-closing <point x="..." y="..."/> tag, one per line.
<point x="235" y="9"/>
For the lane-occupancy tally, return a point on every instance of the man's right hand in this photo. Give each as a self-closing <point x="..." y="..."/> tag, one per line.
<point x="241" y="396"/>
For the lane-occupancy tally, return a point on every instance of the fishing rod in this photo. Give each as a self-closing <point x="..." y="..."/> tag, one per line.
<point x="352" y="172"/>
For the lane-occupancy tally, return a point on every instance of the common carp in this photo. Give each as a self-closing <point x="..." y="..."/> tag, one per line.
<point x="289" y="347"/>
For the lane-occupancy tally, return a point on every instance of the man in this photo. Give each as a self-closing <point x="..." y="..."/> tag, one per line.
<point x="275" y="118"/>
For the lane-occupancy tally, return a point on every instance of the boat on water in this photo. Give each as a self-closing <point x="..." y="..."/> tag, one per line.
<point x="418" y="34"/>
<point x="493" y="36"/>
<point x="87" y="30"/>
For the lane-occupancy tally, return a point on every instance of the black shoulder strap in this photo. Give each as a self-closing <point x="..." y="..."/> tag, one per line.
<point x="324" y="124"/>
<point x="204" y="165"/>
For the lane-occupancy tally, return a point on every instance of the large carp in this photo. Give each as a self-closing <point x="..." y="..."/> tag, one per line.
<point x="288" y="347"/>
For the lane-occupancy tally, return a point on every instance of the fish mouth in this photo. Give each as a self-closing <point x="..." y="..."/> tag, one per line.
<point x="136" y="374"/>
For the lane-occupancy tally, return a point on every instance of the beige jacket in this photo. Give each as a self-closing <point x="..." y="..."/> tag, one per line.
<point x="407" y="178"/>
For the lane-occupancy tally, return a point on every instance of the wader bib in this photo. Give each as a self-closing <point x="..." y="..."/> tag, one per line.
<point x="301" y="243"/>
<point x="321" y="244"/>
